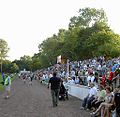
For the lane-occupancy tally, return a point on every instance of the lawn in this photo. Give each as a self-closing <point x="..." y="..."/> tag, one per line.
<point x="1" y="85"/>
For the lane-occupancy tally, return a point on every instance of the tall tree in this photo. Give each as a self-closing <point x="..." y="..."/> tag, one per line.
<point x="36" y="64"/>
<point x="3" y="51"/>
<point x="49" y="49"/>
<point x="88" y="35"/>
<point x="26" y="62"/>
<point x="87" y="17"/>
<point x="104" y="43"/>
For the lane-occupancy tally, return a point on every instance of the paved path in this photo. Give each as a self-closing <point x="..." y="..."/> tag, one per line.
<point x="35" y="101"/>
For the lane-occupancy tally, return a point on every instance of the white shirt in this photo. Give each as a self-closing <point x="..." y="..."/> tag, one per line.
<point x="50" y="75"/>
<point x="71" y="81"/>
<point x="99" y="67"/>
<point x="88" y="78"/>
<point x="73" y="73"/>
<point x="77" y="80"/>
<point x="93" y="91"/>
<point x="92" y="79"/>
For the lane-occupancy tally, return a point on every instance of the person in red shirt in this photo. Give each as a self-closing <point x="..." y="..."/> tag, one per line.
<point x="110" y="77"/>
<point x="103" y="82"/>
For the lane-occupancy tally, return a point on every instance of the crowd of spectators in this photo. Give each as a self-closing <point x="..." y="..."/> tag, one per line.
<point x="96" y="70"/>
<point x="99" y="74"/>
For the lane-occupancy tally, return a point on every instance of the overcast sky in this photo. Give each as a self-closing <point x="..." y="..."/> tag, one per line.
<point x="24" y="24"/>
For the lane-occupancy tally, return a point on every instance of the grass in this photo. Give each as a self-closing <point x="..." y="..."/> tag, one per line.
<point x="1" y="85"/>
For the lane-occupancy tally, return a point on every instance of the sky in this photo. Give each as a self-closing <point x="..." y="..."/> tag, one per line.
<point x="24" y="24"/>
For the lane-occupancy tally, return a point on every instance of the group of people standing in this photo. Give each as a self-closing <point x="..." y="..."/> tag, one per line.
<point x="27" y="76"/>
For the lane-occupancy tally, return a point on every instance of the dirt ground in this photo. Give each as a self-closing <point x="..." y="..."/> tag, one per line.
<point x="35" y="101"/>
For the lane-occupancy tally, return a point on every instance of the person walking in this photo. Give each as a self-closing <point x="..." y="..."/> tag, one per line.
<point x="55" y="88"/>
<point x="7" y="84"/>
<point x="30" y="79"/>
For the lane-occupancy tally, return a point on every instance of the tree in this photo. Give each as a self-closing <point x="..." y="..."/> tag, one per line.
<point x="3" y="51"/>
<point x="14" y="68"/>
<point x="10" y="67"/>
<point x="85" y="35"/>
<point x="104" y="43"/>
<point x="36" y="64"/>
<point x="49" y="49"/>
<point x="88" y="35"/>
<point x="26" y="62"/>
<point x="87" y="17"/>
<point x="6" y="66"/>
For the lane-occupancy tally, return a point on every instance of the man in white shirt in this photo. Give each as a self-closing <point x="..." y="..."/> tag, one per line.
<point x="77" y="81"/>
<point x="91" y="96"/>
<point x="92" y="78"/>
<point x="73" y="74"/>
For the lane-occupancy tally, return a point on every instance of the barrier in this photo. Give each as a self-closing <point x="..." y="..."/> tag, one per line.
<point x="78" y="91"/>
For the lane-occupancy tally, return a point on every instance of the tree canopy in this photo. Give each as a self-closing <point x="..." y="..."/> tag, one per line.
<point x="3" y="51"/>
<point x="88" y="35"/>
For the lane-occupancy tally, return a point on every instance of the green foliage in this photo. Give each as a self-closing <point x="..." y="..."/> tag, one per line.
<point x="14" y="68"/>
<point x="88" y="35"/>
<point x="3" y="51"/>
<point x="1" y="85"/>
<point x="52" y="47"/>
<point x="36" y="64"/>
<point x="6" y="66"/>
<point x="104" y="43"/>
<point x="10" y="67"/>
<point x="25" y="63"/>
<point x="87" y="17"/>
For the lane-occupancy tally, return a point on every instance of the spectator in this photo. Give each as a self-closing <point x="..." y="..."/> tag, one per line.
<point x="99" y="98"/>
<point x="108" y="100"/>
<point x="117" y="102"/>
<point x="110" y="77"/>
<point x="77" y="81"/>
<point x="89" y="97"/>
